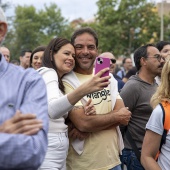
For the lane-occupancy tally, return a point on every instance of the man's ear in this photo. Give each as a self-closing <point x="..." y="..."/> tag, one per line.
<point x="3" y="30"/>
<point x="143" y="61"/>
<point x="20" y="58"/>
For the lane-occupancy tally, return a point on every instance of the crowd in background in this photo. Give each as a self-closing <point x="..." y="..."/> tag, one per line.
<point x="86" y="121"/>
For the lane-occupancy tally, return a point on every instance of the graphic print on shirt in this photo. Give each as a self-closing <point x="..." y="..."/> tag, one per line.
<point x="100" y="96"/>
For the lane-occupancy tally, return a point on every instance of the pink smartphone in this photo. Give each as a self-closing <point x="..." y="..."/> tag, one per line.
<point x="100" y="64"/>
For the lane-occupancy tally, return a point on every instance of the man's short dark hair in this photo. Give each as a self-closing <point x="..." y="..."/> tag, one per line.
<point x="160" y="45"/>
<point x="81" y="31"/>
<point x="22" y="53"/>
<point x="139" y="53"/>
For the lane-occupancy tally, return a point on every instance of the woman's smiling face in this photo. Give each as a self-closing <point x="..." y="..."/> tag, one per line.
<point x="64" y="59"/>
<point x="37" y="60"/>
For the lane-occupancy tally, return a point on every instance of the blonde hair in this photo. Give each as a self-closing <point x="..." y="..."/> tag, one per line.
<point x="163" y="91"/>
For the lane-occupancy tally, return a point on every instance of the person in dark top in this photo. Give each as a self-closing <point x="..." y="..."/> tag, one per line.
<point x="136" y="95"/>
<point x="127" y="65"/>
<point x="131" y="72"/>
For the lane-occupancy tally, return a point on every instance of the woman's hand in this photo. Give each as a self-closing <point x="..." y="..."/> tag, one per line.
<point x="96" y="83"/>
<point x="89" y="108"/>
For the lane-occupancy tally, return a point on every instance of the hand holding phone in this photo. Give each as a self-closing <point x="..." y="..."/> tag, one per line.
<point x="100" y="64"/>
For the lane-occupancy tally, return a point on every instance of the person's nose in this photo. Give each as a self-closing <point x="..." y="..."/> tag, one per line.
<point x="39" y="60"/>
<point x="162" y="60"/>
<point x="70" y="57"/>
<point x="85" y="50"/>
<point x="6" y="58"/>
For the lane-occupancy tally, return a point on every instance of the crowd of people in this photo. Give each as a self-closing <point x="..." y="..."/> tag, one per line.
<point x="57" y="114"/>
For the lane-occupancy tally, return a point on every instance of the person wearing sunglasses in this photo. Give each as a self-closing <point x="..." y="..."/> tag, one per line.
<point x="113" y="67"/>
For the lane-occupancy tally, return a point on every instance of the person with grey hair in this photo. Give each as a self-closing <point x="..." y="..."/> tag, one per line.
<point x="5" y="52"/>
<point x="24" y="114"/>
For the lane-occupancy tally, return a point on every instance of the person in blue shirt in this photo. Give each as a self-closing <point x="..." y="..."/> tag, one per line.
<point x="23" y="114"/>
<point x="127" y="65"/>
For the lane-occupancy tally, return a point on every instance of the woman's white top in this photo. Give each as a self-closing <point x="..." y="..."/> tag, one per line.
<point x="58" y="104"/>
<point x="155" y="124"/>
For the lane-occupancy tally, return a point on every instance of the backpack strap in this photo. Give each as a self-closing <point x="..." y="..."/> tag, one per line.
<point x="165" y="106"/>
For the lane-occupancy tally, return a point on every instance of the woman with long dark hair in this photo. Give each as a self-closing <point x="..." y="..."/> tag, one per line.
<point x="58" y="60"/>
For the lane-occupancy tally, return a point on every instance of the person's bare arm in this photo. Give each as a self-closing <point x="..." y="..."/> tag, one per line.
<point x="149" y="150"/>
<point x="98" y="122"/>
<point x="21" y="124"/>
<point x="89" y="108"/>
<point x="119" y="104"/>
<point x="96" y="83"/>
<point x="74" y="133"/>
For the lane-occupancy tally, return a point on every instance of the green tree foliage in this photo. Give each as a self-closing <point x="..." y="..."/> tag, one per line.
<point x="31" y="28"/>
<point x="122" y="26"/>
<point x="125" y="25"/>
<point x="167" y="28"/>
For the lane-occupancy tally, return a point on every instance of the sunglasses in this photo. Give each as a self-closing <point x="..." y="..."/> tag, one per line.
<point x="113" y="61"/>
